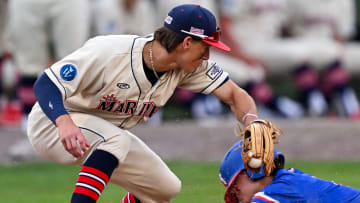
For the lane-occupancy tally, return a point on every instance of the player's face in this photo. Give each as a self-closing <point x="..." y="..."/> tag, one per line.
<point x="243" y="188"/>
<point x="194" y="54"/>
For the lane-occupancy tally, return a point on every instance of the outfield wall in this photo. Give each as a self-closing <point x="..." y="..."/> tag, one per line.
<point x="308" y="139"/>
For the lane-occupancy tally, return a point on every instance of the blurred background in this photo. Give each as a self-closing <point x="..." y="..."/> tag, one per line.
<point x="299" y="60"/>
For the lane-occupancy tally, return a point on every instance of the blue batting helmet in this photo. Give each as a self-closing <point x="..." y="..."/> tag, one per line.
<point x="232" y="164"/>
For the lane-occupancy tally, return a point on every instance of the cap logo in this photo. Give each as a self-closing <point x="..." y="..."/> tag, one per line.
<point x="168" y="19"/>
<point x="197" y="31"/>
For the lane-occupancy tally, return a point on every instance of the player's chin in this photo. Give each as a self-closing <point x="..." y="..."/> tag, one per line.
<point x="245" y="200"/>
<point x="190" y="69"/>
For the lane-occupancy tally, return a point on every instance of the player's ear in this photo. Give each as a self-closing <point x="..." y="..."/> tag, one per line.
<point x="186" y="44"/>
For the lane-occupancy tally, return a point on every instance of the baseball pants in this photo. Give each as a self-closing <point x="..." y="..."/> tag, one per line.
<point x="140" y="170"/>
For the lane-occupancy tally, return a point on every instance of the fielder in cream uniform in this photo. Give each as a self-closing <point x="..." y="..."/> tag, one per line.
<point x="120" y="92"/>
<point x="87" y="100"/>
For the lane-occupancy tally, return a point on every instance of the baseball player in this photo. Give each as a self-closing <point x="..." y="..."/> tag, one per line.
<point x="282" y="185"/>
<point x="88" y="100"/>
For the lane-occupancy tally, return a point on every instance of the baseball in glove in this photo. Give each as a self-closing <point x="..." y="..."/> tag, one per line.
<point x="258" y="145"/>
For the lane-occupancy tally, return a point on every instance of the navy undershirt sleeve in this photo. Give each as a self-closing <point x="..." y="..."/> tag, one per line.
<point x="49" y="97"/>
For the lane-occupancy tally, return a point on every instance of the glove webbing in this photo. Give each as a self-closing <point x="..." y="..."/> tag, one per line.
<point x="259" y="138"/>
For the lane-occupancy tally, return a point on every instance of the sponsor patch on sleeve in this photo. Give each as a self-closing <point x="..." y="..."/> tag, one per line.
<point x="68" y="72"/>
<point x="214" y="72"/>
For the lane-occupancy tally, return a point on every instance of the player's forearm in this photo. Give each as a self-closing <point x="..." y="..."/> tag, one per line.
<point x="240" y="102"/>
<point x="243" y="106"/>
<point x="49" y="98"/>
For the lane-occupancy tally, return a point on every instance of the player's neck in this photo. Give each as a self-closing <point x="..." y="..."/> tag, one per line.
<point x="159" y="59"/>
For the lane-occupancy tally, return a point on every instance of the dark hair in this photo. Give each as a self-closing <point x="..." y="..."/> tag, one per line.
<point x="168" y="38"/>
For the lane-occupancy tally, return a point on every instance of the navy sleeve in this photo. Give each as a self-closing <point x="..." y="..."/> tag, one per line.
<point x="49" y="97"/>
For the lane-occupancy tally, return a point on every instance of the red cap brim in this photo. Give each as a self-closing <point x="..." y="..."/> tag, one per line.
<point x="217" y="44"/>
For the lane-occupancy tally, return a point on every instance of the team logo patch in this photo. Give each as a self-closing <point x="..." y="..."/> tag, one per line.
<point x="168" y="19"/>
<point x="214" y="72"/>
<point x="123" y="85"/>
<point x="68" y="72"/>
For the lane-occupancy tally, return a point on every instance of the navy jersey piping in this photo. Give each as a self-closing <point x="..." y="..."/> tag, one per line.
<point x="59" y="82"/>
<point x="154" y="92"/>
<point x="137" y="83"/>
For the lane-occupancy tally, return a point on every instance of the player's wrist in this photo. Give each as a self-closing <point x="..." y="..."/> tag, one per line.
<point x="63" y="119"/>
<point x="249" y="118"/>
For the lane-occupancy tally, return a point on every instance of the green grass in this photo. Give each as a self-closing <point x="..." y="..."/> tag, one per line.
<point x="51" y="183"/>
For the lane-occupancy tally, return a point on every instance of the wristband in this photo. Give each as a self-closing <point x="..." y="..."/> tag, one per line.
<point x="247" y="115"/>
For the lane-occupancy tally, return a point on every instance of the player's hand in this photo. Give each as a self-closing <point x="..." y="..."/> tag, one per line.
<point x="71" y="136"/>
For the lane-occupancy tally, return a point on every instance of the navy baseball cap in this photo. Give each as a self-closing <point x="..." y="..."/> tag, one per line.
<point x="195" y="21"/>
<point x="232" y="164"/>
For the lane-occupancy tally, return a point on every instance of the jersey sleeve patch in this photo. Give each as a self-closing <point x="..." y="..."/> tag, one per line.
<point x="68" y="72"/>
<point x="214" y="72"/>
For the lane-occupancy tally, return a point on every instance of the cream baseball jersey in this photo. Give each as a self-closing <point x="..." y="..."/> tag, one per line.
<point x="106" y="78"/>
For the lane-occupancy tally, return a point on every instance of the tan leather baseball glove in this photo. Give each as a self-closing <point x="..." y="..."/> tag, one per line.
<point x="258" y="145"/>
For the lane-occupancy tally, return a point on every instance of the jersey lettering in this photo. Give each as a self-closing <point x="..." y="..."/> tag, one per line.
<point x="153" y="111"/>
<point x="145" y="108"/>
<point x="119" y="108"/>
<point x="107" y="104"/>
<point x="111" y="104"/>
<point x="130" y="107"/>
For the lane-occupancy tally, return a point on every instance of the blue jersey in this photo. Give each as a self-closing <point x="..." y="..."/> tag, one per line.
<point x="301" y="187"/>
